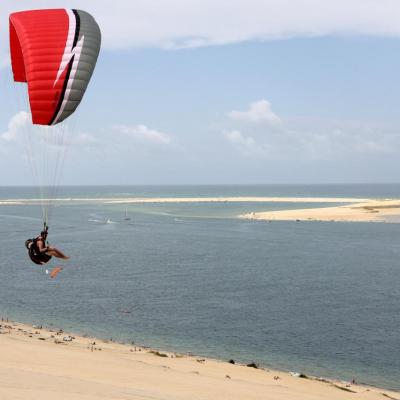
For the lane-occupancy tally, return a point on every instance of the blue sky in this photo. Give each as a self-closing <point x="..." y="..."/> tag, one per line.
<point x="229" y="104"/>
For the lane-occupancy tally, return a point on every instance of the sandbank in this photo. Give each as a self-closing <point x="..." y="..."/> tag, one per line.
<point x="350" y="209"/>
<point x="44" y="364"/>
<point x="358" y="211"/>
<point x="143" y="200"/>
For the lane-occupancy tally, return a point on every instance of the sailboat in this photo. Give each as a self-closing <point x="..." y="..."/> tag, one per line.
<point x="127" y="218"/>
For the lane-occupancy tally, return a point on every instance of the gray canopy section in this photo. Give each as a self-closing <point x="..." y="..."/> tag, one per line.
<point x="85" y="50"/>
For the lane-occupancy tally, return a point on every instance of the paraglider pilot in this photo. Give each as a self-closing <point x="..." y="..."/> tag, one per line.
<point x="39" y="250"/>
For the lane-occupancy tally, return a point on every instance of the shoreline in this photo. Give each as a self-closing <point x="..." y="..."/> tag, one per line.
<point x="50" y="363"/>
<point x="358" y="211"/>
<point x="335" y="209"/>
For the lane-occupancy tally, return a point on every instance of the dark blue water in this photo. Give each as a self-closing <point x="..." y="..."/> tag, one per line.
<point x="321" y="298"/>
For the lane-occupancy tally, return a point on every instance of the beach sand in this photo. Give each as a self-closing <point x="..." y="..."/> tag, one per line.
<point x="37" y="363"/>
<point x="358" y="211"/>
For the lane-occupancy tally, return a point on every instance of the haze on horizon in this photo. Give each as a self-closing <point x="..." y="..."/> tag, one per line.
<point x="259" y="91"/>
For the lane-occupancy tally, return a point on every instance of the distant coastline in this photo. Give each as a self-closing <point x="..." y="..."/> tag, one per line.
<point x="351" y="209"/>
<point x="215" y="199"/>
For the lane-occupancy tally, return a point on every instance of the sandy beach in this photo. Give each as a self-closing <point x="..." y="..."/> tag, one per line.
<point x="358" y="211"/>
<point x="45" y="364"/>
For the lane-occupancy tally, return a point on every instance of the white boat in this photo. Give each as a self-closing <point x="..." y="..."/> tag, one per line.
<point x="127" y="218"/>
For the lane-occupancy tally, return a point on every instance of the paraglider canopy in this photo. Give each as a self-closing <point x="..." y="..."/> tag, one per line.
<point x="55" y="52"/>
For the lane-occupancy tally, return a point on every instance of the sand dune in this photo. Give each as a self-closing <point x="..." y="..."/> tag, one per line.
<point x="39" y="364"/>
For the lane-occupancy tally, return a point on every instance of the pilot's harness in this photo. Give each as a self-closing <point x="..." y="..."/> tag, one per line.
<point x="34" y="253"/>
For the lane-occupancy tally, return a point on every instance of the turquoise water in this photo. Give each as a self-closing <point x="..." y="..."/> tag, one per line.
<point x="321" y="298"/>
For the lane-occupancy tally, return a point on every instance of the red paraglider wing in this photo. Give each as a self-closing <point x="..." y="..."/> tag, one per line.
<point x="55" y="52"/>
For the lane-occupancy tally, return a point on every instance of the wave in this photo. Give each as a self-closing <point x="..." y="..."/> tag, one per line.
<point x="24" y="218"/>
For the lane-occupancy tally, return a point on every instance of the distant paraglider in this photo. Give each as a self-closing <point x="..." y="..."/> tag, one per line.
<point x="54" y="52"/>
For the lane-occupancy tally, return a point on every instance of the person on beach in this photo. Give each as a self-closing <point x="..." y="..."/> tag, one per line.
<point x="40" y="252"/>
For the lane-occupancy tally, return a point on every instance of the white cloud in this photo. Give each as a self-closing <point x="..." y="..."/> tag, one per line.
<point x="16" y="124"/>
<point x="143" y="134"/>
<point x="246" y="145"/>
<point x="308" y="139"/>
<point x="23" y="134"/>
<point x="236" y="137"/>
<point x="339" y="139"/>
<point x="174" y="24"/>
<point x="259" y="111"/>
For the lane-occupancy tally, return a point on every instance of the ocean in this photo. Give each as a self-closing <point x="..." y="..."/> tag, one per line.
<point x="321" y="298"/>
